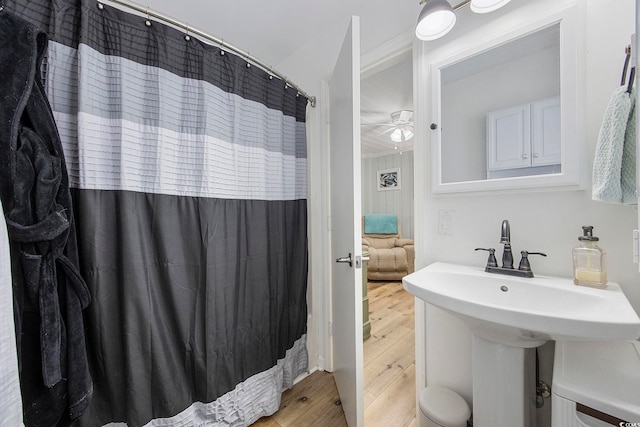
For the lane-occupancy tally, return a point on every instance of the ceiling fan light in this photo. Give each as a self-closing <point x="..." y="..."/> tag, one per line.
<point x="435" y="20"/>
<point x="396" y="135"/>
<point x="400" y="135"/>
<point x="486" y="6"/>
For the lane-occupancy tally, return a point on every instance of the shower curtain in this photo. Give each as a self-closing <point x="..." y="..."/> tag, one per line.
<point x="188" y="172"/>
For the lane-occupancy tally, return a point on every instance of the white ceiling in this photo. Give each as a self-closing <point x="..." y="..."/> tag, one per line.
<point x="275" y="31"/>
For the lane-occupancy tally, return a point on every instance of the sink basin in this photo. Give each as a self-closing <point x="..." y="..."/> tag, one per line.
<point x="508" y="317"/>
<point x="526" y="312"/>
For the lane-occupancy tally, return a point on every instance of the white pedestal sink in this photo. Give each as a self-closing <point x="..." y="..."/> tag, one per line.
<point x="510" y="316"/>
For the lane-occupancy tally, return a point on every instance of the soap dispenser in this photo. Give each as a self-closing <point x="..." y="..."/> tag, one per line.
<point x="589" y="261"/>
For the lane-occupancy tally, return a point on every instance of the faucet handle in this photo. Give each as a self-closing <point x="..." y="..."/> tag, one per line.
<point x="491" y="261"/>
<point x="524" y="261"/>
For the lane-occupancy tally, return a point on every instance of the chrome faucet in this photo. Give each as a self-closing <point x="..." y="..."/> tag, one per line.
<point x="505" y="239"/>
<point x="524" y="268"/>
<point x="505" y="236"/>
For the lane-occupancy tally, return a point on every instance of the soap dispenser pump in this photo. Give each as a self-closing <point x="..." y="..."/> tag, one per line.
<point x="589" y="267"/>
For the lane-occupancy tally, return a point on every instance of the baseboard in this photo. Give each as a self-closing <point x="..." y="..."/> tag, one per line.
<point x="305" y="375"/>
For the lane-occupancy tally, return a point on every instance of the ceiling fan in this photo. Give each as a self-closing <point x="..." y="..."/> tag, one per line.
<point x="402" y="120"/>
<point x="400" y="128"/>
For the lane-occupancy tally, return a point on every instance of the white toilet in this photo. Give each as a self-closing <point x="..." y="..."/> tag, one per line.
<point x="441" y="407"/>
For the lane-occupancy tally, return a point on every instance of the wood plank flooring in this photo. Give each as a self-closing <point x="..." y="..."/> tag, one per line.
<point x="389" y="372"/>
<point x="389" y="357"/>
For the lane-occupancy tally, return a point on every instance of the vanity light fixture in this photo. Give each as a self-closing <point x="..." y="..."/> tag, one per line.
<point x="486" y="6"/>
<point x="438" y="17"/>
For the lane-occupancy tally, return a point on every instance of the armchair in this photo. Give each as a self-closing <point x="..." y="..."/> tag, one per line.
<point x="390" y="256"/>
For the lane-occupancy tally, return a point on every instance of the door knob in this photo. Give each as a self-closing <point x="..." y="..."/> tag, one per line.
<point x="346" y="259"/>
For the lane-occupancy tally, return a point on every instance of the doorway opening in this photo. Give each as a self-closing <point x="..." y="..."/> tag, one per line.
<point x="387" y="146"/>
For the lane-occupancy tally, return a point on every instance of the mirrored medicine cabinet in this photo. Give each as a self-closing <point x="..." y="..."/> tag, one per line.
<point x="507" y="113"/>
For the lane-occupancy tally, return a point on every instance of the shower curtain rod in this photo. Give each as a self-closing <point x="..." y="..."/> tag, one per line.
<point x="220" y="42"/>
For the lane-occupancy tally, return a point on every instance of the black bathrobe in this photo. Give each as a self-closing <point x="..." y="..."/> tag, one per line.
<point x="49" y="293"/>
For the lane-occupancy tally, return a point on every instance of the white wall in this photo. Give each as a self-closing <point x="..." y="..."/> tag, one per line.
<point x="540" y="221"/>
<point x="399" y="202"/>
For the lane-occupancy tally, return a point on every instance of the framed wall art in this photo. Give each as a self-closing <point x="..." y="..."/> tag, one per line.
<point x="388" y="179"/>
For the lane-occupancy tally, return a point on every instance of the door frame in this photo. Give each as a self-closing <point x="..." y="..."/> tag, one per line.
<point x="319" y="185"/>
<point x="372" y="62"/>
<point x="319" y="227"/>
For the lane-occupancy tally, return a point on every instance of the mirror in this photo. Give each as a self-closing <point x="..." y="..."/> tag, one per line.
<point x="508" y="111"/>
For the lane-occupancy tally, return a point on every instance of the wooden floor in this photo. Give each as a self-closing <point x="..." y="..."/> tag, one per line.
<point x="389" y="372"/>
<point x="389" y="358"/>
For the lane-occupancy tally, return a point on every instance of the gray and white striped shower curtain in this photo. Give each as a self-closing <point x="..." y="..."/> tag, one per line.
<point x="189" y="176"/>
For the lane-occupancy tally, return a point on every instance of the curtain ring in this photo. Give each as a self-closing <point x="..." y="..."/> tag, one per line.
<point x="100" y="6"/>
<point x="187" y="37"/>
<point x="148" y="21"/>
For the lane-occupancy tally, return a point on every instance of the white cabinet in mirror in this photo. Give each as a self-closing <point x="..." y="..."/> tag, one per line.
<point x="509" y="111"/>
<point x="524" y="140"/>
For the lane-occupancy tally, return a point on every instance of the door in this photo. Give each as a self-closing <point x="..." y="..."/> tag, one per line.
<point x="546" y="132"/>
<point x="509" y="138"/>
<point x="346" y="233"/>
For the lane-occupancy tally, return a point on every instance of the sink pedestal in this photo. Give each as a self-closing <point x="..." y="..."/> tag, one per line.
<point x="504" y="391"/>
